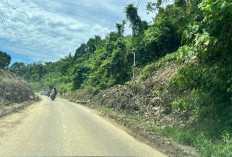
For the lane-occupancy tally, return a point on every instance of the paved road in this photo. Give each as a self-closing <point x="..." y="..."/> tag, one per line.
<point x="61" y="128"/>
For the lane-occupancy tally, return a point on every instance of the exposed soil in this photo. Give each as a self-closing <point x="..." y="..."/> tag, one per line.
<point x="7" y="110"/>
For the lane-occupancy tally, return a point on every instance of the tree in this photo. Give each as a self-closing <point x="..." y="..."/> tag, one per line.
<point x="18" y="68"/>
<point x="4" y="59"/>
<point x="132" y="16"/>
<point x="80" y="74"/>
<point x="87" y="49"/>
<point x="121" y="27"/>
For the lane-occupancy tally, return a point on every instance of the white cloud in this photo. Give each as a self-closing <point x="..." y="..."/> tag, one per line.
<point x="49" y="29"/>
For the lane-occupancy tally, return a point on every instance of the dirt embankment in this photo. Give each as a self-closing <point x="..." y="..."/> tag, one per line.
<point x="14" y="93"/>
<point x="152" y="100"/>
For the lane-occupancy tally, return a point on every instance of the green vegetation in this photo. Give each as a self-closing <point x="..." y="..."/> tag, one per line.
<point x="106" y="109"/>
<point x="103" y="63"/>
<point x="4" y="59"/>
<point x="208" y="71"/>
<point x="187" y="136"/>
<point x="200" y="140"/>
<point x="1" y="106"/>
<point x="196" y="34"/>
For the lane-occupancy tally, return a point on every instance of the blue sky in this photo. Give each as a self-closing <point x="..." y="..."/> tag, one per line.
<point x="47" y="30"/>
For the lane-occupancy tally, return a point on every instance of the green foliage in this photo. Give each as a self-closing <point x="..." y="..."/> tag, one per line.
<point x="1" y="105"/>
<point x="207" y="147"/>
<point x="132" y="16"/>
<point x="180" y="134"/>
<point x="80" y="74"/>
<point x="214" y="98"/>
<point x="121" y="27"/>
<point x="18" y="68"/>
<point x="186" y="54"/>
<point x="35" y="86"/>
<point x="4" y="59"/>
<point x="106" y="109"/>
<point x="211" y="149"/>
<point x="212" y="35"/>
<point x="44" y="75"/>
<point x="102" y="63"/>
<point x="165" y="35"/>
<point x="65" y="65"/>
<point x="208" y="56"/>
<point x="180" y="104"/>
<point x="133" y="86"/>
<point x="65" y="87"/>
<point x="148" y="71"/>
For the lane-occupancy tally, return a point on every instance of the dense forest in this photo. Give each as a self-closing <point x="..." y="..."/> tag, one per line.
<point x="198" y="33"/>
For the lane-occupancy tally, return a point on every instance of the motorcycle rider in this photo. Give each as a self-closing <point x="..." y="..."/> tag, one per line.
<point x="53" y="92"/>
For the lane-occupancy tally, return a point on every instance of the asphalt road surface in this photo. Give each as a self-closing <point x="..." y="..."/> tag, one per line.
<point x="61" y="128"/>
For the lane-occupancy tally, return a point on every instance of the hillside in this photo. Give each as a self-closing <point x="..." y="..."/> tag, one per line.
<point x="154" y="107"/>
<point x="145" y="106"/>
<point x="13" y="89"/>
<point x="151" y="97"/>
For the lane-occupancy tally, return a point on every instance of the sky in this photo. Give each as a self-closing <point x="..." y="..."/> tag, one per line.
<point x="47" y="30"/>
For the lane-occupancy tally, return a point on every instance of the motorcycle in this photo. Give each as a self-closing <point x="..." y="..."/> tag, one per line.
<point x="53" y="96"/>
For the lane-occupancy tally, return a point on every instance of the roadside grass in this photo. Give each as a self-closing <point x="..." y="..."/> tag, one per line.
<point x="207" y="146"/>
<point x="106" y="110"/>
<point x="1" y="105"/>
<point x="181" y="135"/>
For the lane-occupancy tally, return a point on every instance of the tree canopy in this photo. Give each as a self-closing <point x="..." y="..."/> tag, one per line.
<point x="5" y="59"/>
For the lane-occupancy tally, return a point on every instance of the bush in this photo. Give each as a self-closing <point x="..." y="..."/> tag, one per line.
<point x="219" y="148"/>
<point x="207" y="148"/>
<point x="181" y="135"/>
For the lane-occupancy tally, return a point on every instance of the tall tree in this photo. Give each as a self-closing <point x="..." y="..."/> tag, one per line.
<point x="132" y="16"/>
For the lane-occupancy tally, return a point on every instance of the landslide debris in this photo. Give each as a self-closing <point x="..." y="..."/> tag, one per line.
<point x="13" y="89"/>
<point x="152" y="97"/>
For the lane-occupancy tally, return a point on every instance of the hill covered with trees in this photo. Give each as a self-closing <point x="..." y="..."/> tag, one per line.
<point x="194" y="35"/>
<point x="102" y="63"/>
